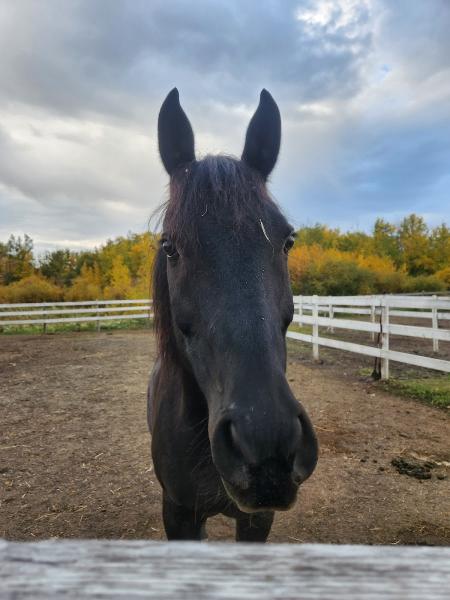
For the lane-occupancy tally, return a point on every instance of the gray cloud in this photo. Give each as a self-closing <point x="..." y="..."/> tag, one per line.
<point x="100" y="56"/>
<point x="363" y="87"/>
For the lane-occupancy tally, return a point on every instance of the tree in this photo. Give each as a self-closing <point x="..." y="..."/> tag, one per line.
<point x="33" y="288"/>
<point x="355" y="241"/>
<point x="3" y="262"/>
<point x="87" y="285"/>
<point x="386" y="241"/>
<point x="440" y="247"/>
<point x="16" y="259"/>
<point x="60" y="266"/>
<point x="143" y="254"/>
<point x="414" y="244"/>
<point x="120" y="286"/>
<point x="318" y="234"/>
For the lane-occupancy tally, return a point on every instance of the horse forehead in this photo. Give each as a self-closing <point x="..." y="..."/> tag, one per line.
<point x="260" y="226"/>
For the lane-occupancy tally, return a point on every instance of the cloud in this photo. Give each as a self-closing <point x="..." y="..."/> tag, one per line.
<point x="363" y="86"/>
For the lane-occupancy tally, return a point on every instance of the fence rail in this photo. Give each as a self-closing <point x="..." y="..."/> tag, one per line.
<point x="48" y="313"/>
<point x="330" y="312"/>
<point x="380" y="309"/>
<point x="134" y="570"/>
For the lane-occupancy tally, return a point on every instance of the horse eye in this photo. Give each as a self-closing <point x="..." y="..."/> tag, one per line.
<point x="169" y="249"/>
<point x="288" y="244"/>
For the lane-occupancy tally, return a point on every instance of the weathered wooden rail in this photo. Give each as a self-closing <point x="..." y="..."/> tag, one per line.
<point x="48" y="313"/>
<point x="190" y="570"/>
<point x="379" y="310"/>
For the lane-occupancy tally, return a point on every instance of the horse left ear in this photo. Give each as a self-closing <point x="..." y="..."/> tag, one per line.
<point x="175" y="135"/>
<point x="262" y="142"/>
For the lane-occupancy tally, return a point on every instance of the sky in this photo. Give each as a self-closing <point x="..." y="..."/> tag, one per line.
<point x="363" y="88"/>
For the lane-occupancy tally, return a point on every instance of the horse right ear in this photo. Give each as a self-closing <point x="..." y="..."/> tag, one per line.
<point x="175" y="135"/>
<point x="262" y="142"/>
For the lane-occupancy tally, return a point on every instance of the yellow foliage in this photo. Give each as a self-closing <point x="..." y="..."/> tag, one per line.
<point x="120" y="286"/>
<point x="87" y="286"/>
<point x="392" y="259"/>
<point x="444" y="276"/>
<point x="33" y="288"/>
<point x="144" y="252"/>
<point x="318" y="270"/>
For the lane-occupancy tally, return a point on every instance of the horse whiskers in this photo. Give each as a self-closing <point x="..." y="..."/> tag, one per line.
<point x="197" y="441"/>
<point x="202" y="462"/>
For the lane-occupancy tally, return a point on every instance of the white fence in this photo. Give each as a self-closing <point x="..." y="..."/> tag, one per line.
<point x="309" y="311"/>
<point x="137" y="569"/>
<point x="47" y="313"/>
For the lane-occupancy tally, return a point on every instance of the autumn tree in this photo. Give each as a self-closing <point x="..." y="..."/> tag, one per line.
<point x="414" y="244"/>
<point x="60" y="266"/>
<point x="440" y="247"/>
<point x="407" y="257"/>
<point x="355" y="241"/>
<point x="87" y="285"/>
<point x="16" y="259"/>
<point x="32" y="288"/>
<point x="317" y="234"/>
<point x="386" y="241"/>
<point x="120" y="280"/>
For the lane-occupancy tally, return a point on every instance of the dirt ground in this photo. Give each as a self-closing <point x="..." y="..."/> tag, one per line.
<point x="75" y="462"/>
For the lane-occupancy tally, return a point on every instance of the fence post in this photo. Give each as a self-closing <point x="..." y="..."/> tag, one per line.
<point x="98" y="321"/>
<point x="384" y="337"/>
<point x="331" y="316"/>
<point x="372" y="320"/>
<point x="435" y="323"/>
<point x="44" y="326"/>
<point x="300" y="308"/>
<point x="315" y="327"/>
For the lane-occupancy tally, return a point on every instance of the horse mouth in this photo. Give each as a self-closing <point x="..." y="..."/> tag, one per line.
<point x="263" y="497"/>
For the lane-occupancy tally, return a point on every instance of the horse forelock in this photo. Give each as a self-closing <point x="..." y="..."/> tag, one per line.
<point x="220" y="187"/>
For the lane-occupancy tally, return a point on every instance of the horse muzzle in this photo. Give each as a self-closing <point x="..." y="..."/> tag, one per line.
<point x="261" y="466"/>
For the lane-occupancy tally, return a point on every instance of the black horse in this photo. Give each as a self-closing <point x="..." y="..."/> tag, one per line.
<point x="228" y="436"/>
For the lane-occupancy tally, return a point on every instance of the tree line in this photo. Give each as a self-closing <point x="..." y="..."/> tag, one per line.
<point x="392" y="258"/>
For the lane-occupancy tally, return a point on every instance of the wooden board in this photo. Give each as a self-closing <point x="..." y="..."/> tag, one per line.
<point x="78" y="303"/>
<point x="76" y="319"/>
<point x="73" y="311"/>
<point x="380" y="300"/>
<point x="189" y="570"/>
<point x="403" y="357"/>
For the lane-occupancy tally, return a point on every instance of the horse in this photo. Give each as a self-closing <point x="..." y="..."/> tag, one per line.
<point x="228" y="435"/>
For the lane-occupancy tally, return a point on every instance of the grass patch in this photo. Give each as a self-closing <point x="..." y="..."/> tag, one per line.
<point x="80" y="326"/>
<point x="365" y="371"/>
<point x="300" y="328"/>
<point x="432" y="390"/>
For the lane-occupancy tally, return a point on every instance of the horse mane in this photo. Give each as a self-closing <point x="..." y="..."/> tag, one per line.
<point x="227" y="190"/>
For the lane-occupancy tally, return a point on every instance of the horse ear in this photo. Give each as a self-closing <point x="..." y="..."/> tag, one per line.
<point x="175" y="135"/>
<point x="262" y="142"/>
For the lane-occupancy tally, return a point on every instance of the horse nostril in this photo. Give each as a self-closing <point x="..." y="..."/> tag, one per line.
<point x="228" y="456"/>
<point x="297" y="478"/>
<point x="231" y="440"/>
<point x="233" y="434"/>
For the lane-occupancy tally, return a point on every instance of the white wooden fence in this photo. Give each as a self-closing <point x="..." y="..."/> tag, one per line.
<point x="47" y="313"/>
<point x="379" y="311"/>
<point x="133" y="570"/>
<point x="310" y="310"/>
